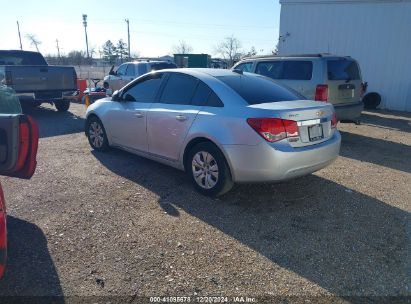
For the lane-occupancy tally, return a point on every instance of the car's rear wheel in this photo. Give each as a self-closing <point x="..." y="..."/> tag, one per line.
<point x="208" y="170"/>
<point x="62" y="105"/>
<point x="96" y="134"/>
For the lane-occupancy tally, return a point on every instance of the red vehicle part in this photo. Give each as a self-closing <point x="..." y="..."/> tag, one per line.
<point x="23" y="168"/>
<point x="3" y="234"/>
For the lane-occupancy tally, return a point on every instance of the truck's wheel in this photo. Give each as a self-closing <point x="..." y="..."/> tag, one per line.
<point x="62" y="105"/>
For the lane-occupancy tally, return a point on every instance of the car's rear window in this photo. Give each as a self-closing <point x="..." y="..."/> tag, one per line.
<point x="343" y="69"/>
<point x="257" y="89"/>
<point x="21" y="58"/>
<point x="9" y="102"/>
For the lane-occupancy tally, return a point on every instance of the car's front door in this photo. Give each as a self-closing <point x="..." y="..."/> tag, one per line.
<point x="127" y="117"/>
<point x="170" y="118"/>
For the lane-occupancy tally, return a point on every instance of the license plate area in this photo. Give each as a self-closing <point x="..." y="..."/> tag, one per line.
<point x="315" y="132"/>
<point x="346" y="93"/>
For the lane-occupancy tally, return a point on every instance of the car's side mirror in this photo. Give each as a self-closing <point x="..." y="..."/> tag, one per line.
<point x="116" y="96"/>
<point x="19" y="135"/>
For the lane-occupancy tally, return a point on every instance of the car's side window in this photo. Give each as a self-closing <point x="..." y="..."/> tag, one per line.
<point x="214" y="101"/>
<point x="145" y="90"/>
<point x="179" y="89"/>
<point x="122" y="70"/>
<point x="204" y="96"/>
<point x="9" y="102"/>
<point x="201" y="95"/>
<point x="270" y="69"/>
<point x="142" y="68"/>
<point x="245" y="67"/>
<point x="130" y="70"/>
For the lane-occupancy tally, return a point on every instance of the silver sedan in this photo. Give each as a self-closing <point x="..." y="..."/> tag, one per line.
<point x="220" y="126"/>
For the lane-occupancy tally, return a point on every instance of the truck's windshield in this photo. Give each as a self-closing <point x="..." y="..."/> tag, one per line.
<point x="21" y="58"/>
<point x="9" y="102"/>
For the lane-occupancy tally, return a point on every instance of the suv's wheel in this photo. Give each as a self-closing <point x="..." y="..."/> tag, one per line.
<point x="62" y="105"/>
<point x="208" y="170"/>
<point x="96" y="134"/>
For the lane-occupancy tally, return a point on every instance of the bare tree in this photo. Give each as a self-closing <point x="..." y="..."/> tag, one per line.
<point x="182" y="48"/>
<point x="230" y="49"/>
<point x="33" y="41"/>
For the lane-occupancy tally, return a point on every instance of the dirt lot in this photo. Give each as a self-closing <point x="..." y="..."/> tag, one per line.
<point x="116" y="224"/>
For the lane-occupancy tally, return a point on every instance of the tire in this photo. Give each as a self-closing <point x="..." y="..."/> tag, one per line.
<point x="62" y="105"/>
<point x="98" y="142"/>
<point x="371" y="100"/>
<point x="106" y="85"/>
<point x="213" y="174"/>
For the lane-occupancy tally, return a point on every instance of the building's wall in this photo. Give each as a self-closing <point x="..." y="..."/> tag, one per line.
<point x="376" y="33"/>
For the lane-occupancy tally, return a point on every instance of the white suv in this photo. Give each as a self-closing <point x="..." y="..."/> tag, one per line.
<point x="129" y="71"/>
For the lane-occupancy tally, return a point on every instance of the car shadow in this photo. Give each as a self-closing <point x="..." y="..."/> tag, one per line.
<point x="377" y="151"/>
<point x="342" y="240"/>
<point x="53" y="123"/>
<point x="30" y="269"/>
<point x="393" y="120"/>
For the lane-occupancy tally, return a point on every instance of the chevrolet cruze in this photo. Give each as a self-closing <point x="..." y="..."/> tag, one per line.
<point x="222" y="127"/>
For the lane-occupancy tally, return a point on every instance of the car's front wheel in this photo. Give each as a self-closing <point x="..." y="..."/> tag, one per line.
<point x="208" y="170"/>
<point x="96" y="134"/>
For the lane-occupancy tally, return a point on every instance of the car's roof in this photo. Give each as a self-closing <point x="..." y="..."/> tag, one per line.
<point x="198" y="72"/>
<point x="148" y="61"/>
<point x="296" y="56"/>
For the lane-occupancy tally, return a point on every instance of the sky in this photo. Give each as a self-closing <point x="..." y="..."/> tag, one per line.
<point x="155" y="25"/>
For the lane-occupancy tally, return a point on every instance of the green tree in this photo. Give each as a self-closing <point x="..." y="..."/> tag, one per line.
<point x="121" y="49"/>
<point x="109" y="52"/>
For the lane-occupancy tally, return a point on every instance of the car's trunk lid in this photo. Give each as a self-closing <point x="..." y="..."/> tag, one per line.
<point x="313" y="119"/>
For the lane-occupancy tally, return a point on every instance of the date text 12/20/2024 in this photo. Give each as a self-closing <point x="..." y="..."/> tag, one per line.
<point x="198" y="299"/>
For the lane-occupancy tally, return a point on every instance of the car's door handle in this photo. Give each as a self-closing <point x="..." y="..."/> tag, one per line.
<point x="181" y="117"/>
<point x="139" y="115"/>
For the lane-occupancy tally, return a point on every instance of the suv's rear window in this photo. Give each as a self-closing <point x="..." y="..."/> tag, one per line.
<point x="281" y="69"/>
<point x="257" y="89"/>
<point x="21" y="58"/>
<point x="343" y="69"/>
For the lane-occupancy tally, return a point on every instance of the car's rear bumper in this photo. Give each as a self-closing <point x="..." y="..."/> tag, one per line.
<point x="266" y="163"/>
<point x="349" y="111"/>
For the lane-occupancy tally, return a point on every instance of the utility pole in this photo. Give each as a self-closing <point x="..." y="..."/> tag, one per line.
<point x="58" y="49"/>
<point x="18" y="29"/>
<point x="85" y="31"/>
<point x="128" y="35"/>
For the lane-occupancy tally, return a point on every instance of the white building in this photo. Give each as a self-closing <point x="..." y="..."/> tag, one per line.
<point x="375" y="32"/>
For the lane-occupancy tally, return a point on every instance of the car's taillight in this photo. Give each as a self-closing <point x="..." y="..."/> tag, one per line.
<point x="334" y="121"/>
<point x="274" y="129"/>
<point x="321" y="93"/>
<point x="9" y="78"/>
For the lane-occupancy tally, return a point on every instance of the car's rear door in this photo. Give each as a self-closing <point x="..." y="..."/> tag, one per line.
<point x="344" y="81"/>
<point x="170" y="118"/>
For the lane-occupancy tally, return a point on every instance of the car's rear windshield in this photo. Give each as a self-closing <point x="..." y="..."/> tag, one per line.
<point x="162" y="66"/>
<point x="9" y="102"/>
<point x="343" y="69"/>
<point x="257" y="89"/>
<point x="21" y="58"/>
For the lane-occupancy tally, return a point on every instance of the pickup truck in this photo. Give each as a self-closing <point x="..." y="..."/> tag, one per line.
<point x="34" y="81"/>
<point x="19" y="135"/>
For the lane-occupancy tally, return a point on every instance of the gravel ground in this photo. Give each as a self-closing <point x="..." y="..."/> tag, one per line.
<point x="112" y="223"/>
